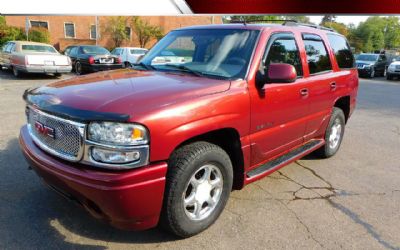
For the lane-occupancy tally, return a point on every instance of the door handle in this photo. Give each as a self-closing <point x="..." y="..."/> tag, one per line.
<point x="333" y="86"/>
<point x="304" y="92"/>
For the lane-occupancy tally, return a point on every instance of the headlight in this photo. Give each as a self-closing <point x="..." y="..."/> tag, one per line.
<point x="392" y="66"/>
<point x="118" y="133"/>
<point x="115" y="157"/>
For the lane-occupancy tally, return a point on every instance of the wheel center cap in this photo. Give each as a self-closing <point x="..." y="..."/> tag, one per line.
<point x="203" y="192"/>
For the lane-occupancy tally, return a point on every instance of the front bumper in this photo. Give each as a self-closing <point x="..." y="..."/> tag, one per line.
<point x="364" y="71"/>
<point x="393" y="73"/>
<point x="45" y="69"/>
<point x="129" y="200"/>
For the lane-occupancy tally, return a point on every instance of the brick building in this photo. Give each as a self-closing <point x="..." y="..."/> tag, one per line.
<point x="67" y="30"/>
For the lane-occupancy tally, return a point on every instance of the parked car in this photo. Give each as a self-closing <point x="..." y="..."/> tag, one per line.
<point x="129" y="55"/>
<point x="393" y="69"/>
<point x="91" y="58"/>
<point x="371" y="65"/>
<point x="32" y="57"/>
<point x="166" y="143"/>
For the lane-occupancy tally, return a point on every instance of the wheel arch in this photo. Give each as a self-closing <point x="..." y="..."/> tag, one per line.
<point x="344" y="104"/>
<point x="229" y="140"/>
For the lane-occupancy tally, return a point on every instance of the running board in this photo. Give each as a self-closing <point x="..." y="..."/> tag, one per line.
<point x="286" y="158"/>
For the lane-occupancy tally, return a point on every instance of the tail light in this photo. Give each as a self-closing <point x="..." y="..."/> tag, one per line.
<point x="119" y="60"/>
<point x="26" y="60"/>
<point x="69" y="60"/>
<point x="91" y="60"/>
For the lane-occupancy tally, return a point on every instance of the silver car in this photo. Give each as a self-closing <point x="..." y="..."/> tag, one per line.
<point x="32" y="57"/>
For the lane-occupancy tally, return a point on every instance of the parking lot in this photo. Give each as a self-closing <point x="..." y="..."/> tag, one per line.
<point x="350" y="201"/>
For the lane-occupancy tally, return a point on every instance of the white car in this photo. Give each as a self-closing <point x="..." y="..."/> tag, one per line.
<point x="129" y="55"/>
<point x="32" y="57"/>
<point x="393" y="69"/>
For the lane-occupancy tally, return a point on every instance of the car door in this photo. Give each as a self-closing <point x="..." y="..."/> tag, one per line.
<point x="73" y="53"/>
<point x="277" y="109"/>
<point x="321" y="83"/>
<point x="382" y="61"/>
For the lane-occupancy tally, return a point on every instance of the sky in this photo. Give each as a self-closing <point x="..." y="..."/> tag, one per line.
<point x="341" y="19"/>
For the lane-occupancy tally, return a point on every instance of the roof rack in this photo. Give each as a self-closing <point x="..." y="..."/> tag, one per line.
<point x="284" y="22"/>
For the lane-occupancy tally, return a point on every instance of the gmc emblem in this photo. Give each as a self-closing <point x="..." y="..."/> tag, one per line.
<point x="45" y="130"/>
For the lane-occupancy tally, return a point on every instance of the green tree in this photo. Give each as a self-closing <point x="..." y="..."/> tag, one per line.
<point x="116" y="28"/>
<point x="392" y="32"/>
<point x="328" y="18"/>
<point x="8" y="33"/>
<point x="254" y="18"/>
<point x="39" y="34"/>
<point x="145" y="32"/>
<point x="338" y="27"/>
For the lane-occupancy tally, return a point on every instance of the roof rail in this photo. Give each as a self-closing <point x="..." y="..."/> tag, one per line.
<point x="290" y="23"/>
<point x="284" y="22"/>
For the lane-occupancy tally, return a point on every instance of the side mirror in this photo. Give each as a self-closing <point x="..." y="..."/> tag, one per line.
<point x="281" y="73"/>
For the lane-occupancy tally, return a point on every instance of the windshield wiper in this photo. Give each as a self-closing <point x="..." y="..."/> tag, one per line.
<point x="145" y="66"/>
<point x="185" y="68"/>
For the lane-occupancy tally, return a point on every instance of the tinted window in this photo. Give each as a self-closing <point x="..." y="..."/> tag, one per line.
<point x="317" y="56"/>
<point x="117" y="51"/>
<point x="367" y="57"/>
<point x="93" y="31"/>
<point x="69" y="30"/>
<point x="39" y="48"/>
<point x="73" y="51"/>
<point x="8" y="47"/>
<point x="39" y="24"/>
<point x="343" y="54"/>
<point x="285" y="50"/>
<point x="97" y="50"/>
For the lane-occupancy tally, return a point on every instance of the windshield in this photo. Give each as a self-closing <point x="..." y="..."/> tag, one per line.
<point x="209" y="52"/>
<point x="95" y="50"/>
<point x="39" y="48"/>
<point x="365" y="57"/>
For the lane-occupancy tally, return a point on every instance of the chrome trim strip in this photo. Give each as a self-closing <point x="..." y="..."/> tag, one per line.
<point x="84" y="154"/>
<point x="143" y="160"/>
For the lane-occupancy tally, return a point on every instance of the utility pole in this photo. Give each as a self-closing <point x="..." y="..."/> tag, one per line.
<point x="27" y="26"/>
<point x="97" y="29"/>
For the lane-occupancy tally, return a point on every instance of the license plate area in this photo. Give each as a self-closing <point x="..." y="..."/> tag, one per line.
<point x="106" y="60"/>
<point x="49" y="63"/>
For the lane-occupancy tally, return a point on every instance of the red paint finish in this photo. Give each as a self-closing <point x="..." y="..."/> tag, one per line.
<point x="127" y="200"/>
<point x="293" y="7"/>
<point x="175" y="107"/>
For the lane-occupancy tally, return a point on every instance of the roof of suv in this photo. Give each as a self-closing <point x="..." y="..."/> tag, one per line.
<point x="262" y="26"/>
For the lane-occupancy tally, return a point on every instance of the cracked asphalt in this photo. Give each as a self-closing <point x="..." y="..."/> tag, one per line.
<point x="350" y="201"/>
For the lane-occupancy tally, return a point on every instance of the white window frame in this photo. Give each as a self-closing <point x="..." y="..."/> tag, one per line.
<point x="48" y="24"/>
<point x="65" y="30"/>
<point x="90" y="32"/>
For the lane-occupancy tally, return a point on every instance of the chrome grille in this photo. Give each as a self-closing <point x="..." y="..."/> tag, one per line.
<point x="68" y="135"/>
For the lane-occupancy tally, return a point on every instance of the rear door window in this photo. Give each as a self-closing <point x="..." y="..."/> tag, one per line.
<point x="343" y="54"/>
<point x="317" y="54"/>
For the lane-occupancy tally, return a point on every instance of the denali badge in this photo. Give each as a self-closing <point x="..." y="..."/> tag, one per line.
<point x="44" y="130"/>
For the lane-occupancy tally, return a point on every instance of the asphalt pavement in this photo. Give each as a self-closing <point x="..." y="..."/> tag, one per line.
<point x="350" y="201"/>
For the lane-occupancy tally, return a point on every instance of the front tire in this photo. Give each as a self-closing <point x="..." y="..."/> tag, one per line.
<point x="388" y="77"/>
<point x="333" y="134"/>
<point x="372" y="74"/>
<point x="199" y="182"/>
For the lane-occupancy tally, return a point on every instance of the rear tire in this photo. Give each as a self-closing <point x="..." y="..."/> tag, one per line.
<point x="199" y="182"/>
<point x="333" y="134"/>
<point x="78" y="68"/>
<point x="58" y="75"/>
<point x="372" y="74"/>
<point x="16" y="72"/>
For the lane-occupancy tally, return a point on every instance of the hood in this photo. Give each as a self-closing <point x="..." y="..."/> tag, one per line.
<point x="119" y="94"/>
<point x="395" y="63"/>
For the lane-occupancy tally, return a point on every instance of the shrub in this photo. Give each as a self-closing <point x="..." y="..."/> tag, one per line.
<point x="40" y="35"/>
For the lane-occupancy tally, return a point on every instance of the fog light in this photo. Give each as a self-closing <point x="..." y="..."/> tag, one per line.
<point x="110" y="156"/>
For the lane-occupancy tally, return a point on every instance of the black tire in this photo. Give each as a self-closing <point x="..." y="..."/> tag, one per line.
<point x="78" y="68"/>
<point x="372" y="73"/>
<point x="184" y="165"/>
<point x="329" y="150"/>
<point x="16" y="72"/>
<point x="389" y="77"/>
<point x="384" y="72"/>
<point x="58" y="75"/>
<point x="127" y="65"/>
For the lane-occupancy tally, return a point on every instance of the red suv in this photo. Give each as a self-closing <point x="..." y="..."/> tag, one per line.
<point x="208" y="109"/>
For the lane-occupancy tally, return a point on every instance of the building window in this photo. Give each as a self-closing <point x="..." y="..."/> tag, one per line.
<point x="93" y="32"/>
<point x="69" y="29"/>
<point x="128" y="32"/>
<point x="42" y="24"/>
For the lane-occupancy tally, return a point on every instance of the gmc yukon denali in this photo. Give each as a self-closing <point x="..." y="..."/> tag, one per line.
<point x="164" y="143"/>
